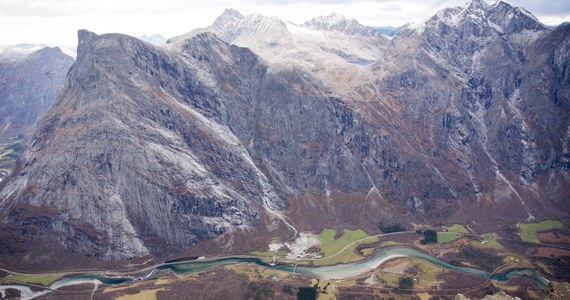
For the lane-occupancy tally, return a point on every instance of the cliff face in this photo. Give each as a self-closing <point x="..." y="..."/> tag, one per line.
<point x="28" y="87"/>
<point x="476" y="88"/>
<point x="127" y="158"/>
<point x="151" y="150"/>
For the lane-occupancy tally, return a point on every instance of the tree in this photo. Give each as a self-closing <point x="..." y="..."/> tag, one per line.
<point x="405" y="283"/>
<point x="388" y="228"/>
<point x="430" y="237"/>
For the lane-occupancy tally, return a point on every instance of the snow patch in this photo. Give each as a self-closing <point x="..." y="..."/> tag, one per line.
<point x="527" y="13"/>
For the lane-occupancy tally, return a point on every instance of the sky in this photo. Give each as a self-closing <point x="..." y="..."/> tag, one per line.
<point x="55" y="22"/>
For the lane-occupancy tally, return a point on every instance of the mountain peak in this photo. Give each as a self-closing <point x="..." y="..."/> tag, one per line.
<point x="501" y="16"/>
<point x="227" y="18"/>
<point x="513" y="19"/>
<point x="155" y="39"/>
<point x="478" y="8"/>
<point x="327" y="21"/>
<point x="233" y="13"/>
<point x="333" y="18"/>
<point x="337" y="22"/>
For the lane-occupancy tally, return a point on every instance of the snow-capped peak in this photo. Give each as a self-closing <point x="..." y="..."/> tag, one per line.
<point x="17" y="52"/>
<point x="475" y="10"/>
<point x="337" y="22"/>
<point x="229" y="18"/>
<point x="155" y="39"/>
<point x="501" y="16"/>
<point x="502" y="4"/>
<point x="332" y="19"/>
<point x="477" y="5"/>
<point x="231" y="13"/>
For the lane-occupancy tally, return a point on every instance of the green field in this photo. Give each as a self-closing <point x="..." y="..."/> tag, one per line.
<point x="427" y="271"/>
<point x="330" y="245"/>
<point x="456" y="228"/>
<point x="390" y="280"/>
<point x="528" y="230"/>
<point x="446" y="237"/>
<point x="489" y="241"/>
<point x="262" y="253"/>
<point x="347" y="255"/>
<point x="41" y="279"/>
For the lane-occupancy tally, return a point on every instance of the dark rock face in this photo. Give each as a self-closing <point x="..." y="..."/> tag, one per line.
<point x="475" y="89"/>
<point x="150" y="150"/>
<point x="28" y="88"/>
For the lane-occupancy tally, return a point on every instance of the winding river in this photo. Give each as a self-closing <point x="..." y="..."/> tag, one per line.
<point x="340" y="271"/>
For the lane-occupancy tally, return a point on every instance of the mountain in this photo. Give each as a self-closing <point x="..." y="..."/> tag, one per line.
<point x="152" y="150"/>
<point x="155" y="165"/>
<point x="155" y="39"/>
<point x="17" y="52"/>
<point x="30" y="81"/>
<point x="466" y="84"/>
<point x="338" y="23"/>
<point x="11" y="53"/>
<point x="315" y="44"/>
<point x="390" y="30"/>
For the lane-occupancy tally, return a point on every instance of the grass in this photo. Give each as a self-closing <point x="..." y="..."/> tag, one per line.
<point x="330" y="245"/>
<point x="427" y="271"/>
<point x="326" y="286"/>
<point x="390" y="243"/>
<point x="515" y="258"/>
<point x="348" y="255"/>
<point x="446" y="237"/>
<point x="528" y="230"/>
<point x="456" y="228"/>
<point x="263" y="253"/>
<point x="41" y="279"/>
<point x="124" y="287"/>
<point x="390" y="280"/>
<point x="544" y="268"/>
<point x="489" y="241"/>
<point x="142" y="295"/>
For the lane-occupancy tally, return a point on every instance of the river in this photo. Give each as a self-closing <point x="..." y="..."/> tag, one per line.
<point x="340" y="271"/>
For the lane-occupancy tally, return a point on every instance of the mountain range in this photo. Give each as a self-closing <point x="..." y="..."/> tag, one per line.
<point x="256" y="127"/>
<point x="30" y="81"/>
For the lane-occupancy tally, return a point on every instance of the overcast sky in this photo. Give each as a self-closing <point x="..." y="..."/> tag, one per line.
<point x="55" y="22"/>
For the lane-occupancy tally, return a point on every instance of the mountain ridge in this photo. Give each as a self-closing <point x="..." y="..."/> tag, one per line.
<point x="206" y="140"/>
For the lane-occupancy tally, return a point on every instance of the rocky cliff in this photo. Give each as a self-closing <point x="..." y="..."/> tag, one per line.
<point x="29" y="85"/>
<point x="153" y="149"/>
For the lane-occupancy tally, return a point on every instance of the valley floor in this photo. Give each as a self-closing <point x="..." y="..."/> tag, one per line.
<point x="500" y="254"/>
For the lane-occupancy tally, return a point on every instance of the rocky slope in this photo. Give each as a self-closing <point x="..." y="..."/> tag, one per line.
<point x="479" y="90"/>
<point x="29" y="85"/>
<point x="153" y="149"/>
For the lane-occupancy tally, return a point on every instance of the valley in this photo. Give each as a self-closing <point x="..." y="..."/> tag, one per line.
<point x="258" y="158"/>
<point x="349" y="263"/>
